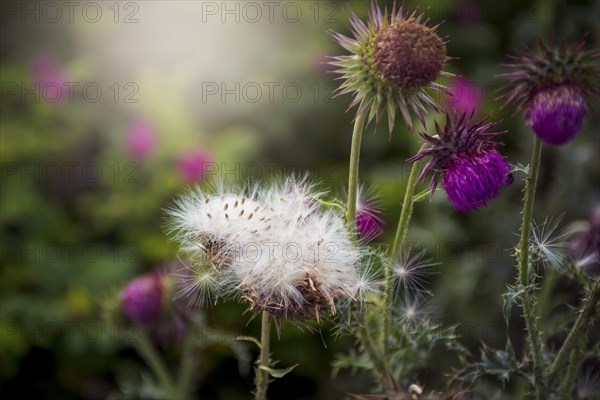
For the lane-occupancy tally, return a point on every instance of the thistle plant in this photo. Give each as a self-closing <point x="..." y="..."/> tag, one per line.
<point x="554" y="88"/>
<point x="394" y="58"/>
<point x="277" y="249"/>
<point x="291" y="253"/>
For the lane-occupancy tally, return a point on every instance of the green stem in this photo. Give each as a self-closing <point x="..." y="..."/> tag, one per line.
<point x="147" y="350"/>
<point x="530" y="185"/>
<point x="579" y="329"/>
<point x="529" y="298"/>
<point x="359" y="124"/>
<point x="188" y="366"/>
<point x="380" y="367"/>
<point x="262" y="375"/>
<point x="401" y="230"/>
<point x="566" y="387"/>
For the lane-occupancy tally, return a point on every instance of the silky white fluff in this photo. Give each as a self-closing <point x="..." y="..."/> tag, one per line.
<point x="285" y="251"/>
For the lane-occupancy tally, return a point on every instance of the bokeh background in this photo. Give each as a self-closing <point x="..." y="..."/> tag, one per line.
<point x="109" y="109"/>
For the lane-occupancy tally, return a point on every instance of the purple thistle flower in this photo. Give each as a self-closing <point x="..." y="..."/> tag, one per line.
<point x="142" y="299"/>
<point x="51" y="78"/>
<point x="369" y="223"/>
<point x="192" y="164"/>
<point x="148" y="301"/>
<point x="556" y="114"/>
<point x="466" y="161"/>
<point x="464" y="96"/>
<point x="554" y="88"/>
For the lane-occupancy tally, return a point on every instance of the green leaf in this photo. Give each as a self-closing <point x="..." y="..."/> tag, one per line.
<point x="510" y="299"/>
<point x="420" y="196"/>
<point x="278" y="373"/>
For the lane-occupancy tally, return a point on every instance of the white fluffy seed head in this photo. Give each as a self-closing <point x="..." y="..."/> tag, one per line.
<point x="277" y="248"/>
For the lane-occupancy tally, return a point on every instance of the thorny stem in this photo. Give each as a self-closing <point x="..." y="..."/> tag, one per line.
<point x="529" y="300"/>
<point x="566" y="387"/>
<point x="381" y="369"/>
<point x="262" y="375"/>
<point x="359" y="124"/>
<point x="578" y="330"/>
<point x="401" y="230"/>
<point x="147" y="350"/>
<point x="528" y="200"/>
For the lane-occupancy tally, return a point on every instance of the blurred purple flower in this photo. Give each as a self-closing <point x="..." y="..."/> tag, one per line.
<point x="142" y="299"/>
<point x="140" y="139"/>
<point x="584" y="246"/>
<point x="369" y="223"/>
<point x="192" y="164"/>
<point x="464" y="96"/>
<point x="50" y="77"/>
<point x="469" y="12"/>
<point x="148" y="301"/>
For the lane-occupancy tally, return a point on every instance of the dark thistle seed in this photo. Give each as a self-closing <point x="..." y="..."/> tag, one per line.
<point x="226" y="207"/>
<point x="250" y="216"/>
<point x="235" y="204"/>
<point x="241" y="213"/>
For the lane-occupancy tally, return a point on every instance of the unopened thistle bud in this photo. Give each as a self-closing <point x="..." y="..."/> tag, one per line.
<point x="465" y="161"/>
<point x="394" y="59"/>
<point x="369" y="223"/>
<point x="554" y="87"/>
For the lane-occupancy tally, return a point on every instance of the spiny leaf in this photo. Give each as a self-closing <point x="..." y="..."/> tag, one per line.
<point x="249" y="339"/>
<point x="510" y="299"/>
<point x="420" y="196"/>
<point x="278" y="373"/>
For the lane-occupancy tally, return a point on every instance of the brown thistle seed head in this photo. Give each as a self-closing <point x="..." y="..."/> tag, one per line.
<point x="409" y="54"/>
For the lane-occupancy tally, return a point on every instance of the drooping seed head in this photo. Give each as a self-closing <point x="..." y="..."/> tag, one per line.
<point x="466" y="161"/>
